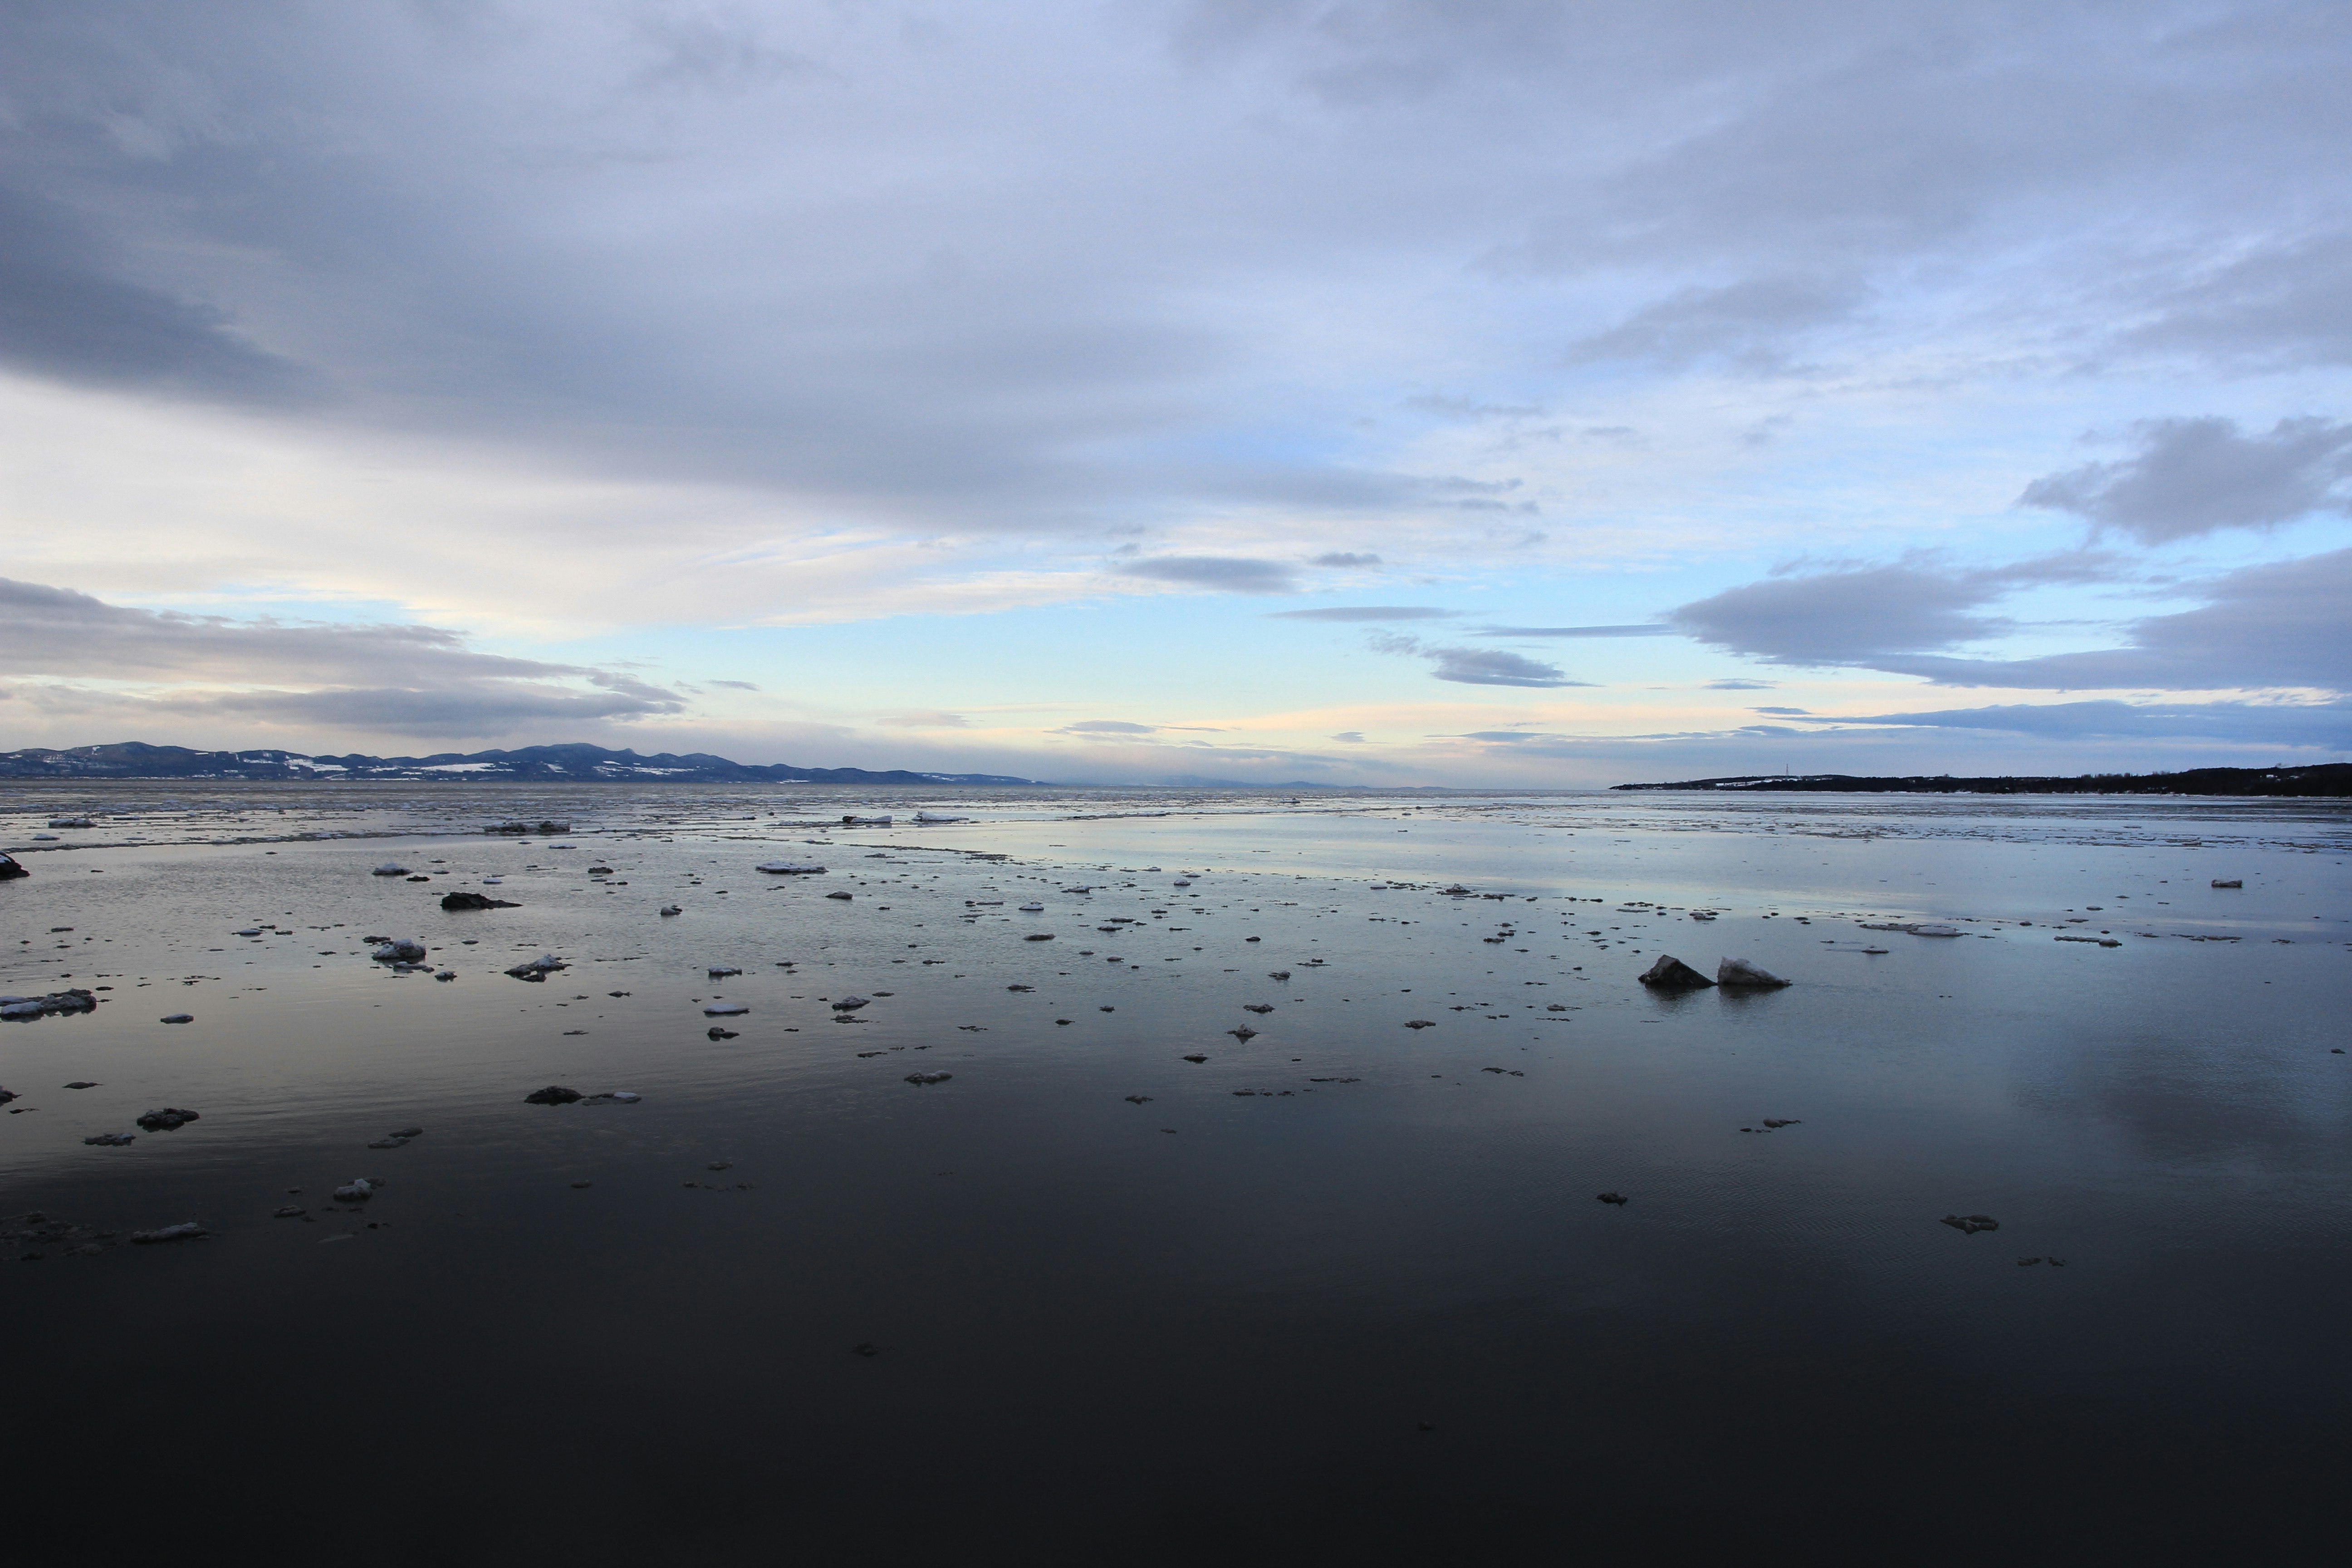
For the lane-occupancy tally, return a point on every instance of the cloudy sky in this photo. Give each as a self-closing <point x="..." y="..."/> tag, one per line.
<point x="1474" y="392"/>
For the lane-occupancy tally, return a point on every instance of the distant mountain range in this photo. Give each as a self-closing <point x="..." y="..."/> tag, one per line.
<point x="536" y="764"/>
<point x="2315" y="779"/>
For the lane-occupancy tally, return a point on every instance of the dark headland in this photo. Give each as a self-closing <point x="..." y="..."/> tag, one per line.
<point x="2317" y="779"/>
<point x="577" y="764"/>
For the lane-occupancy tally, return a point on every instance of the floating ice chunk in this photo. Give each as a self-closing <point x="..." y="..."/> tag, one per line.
<point x="399" y="950"/>
<point x="1033" y="909"/>
<point x="725" y="1010"/>
<point x="936" y="816"/>
<point x="1737" y="972"/>
<point x="883" y="821"/>
<point x="70" y="822"/>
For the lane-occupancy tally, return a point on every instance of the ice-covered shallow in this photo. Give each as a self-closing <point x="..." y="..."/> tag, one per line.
<point x="1127" y="1303"/>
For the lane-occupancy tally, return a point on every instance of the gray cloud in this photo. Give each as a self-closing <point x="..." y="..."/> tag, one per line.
<point x="2193" y="476"/>
<point x="811" y="250"/>
<point x="65" y="313"/>
<point x="2315" y="724"/>
<point x="1363" y="613"/>
<point x="471" y="711"/>
<point x="1629" y="631"/>
<point x="1106" y="727"/>
<point x="1474" y="666"/>
<point x="1741" y="685"/>
<point x="927" y="718"/>
<point x="1749" y="323"/>
<point x="2284" y="303"/>
<point x="1784" y="712"/>
<point x="1846" y="617"/>
<point x="2278" y="625"/>
<point x="1349" y="737"/>
<point x="1340" y="557"/>
<point x="1216" y="574"/>
<point x="738" y="685"/>
<point x="411" y="678"/>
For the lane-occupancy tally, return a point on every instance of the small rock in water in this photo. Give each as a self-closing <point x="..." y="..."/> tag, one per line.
<point x="476" y="901"/>
<point x="291" y="1211"/>
<point x="1421" y="1023"/>
<point x="186" y="1230"/>
<point x="929" y="1077"/>
<point x="1612" y="1197"/>
<point x="1244" y="1034"/>
<point x="114" y="1139"/>
<point x="669" y="909"/>
<point x="716" y="1033"/>
<point x="844" y="897"/>
<point x="1781" y="1122"/>
<point x="1196" y="1058"/>
<point x="851" y="1004"/>
<point x="1671" y="973"/>
<point x="1138" y="1100"/>
<point x="1039" y="936"/>
<point x="867" y="1349"/>
<point x="177" y="1019"/>
<point x="357" y="1192"/>
<point x="390" y="869"/>
<point x="722" y="971"/>
<point x="406" y="1132"/>
<point x="166" y="1119"/>
<point x="554" y="1094"/>
<point x="2229" y="882"/>
<point x="1257" y="1008"/>
<point x="1969" y="1224"/>
<point x="81" y="1083"/>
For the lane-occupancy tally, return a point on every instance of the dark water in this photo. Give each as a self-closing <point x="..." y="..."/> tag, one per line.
<point x="1387" y="1316"/>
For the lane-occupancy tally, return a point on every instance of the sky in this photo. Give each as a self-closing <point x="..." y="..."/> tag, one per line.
<point x="1476" y="392"/>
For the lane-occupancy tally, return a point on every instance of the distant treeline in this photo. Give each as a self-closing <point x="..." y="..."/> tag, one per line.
<point x="2317" y="779"/>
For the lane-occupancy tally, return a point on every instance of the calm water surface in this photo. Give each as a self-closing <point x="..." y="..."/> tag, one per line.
<point x="1128" y="1306"/>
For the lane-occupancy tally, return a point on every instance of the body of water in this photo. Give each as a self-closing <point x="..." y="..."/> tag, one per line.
<point x="1095" y="1290"/>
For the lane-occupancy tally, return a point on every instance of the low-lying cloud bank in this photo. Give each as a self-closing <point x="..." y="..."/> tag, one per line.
<point x="2279" y="625"/>
<point x="384" y="679"/>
